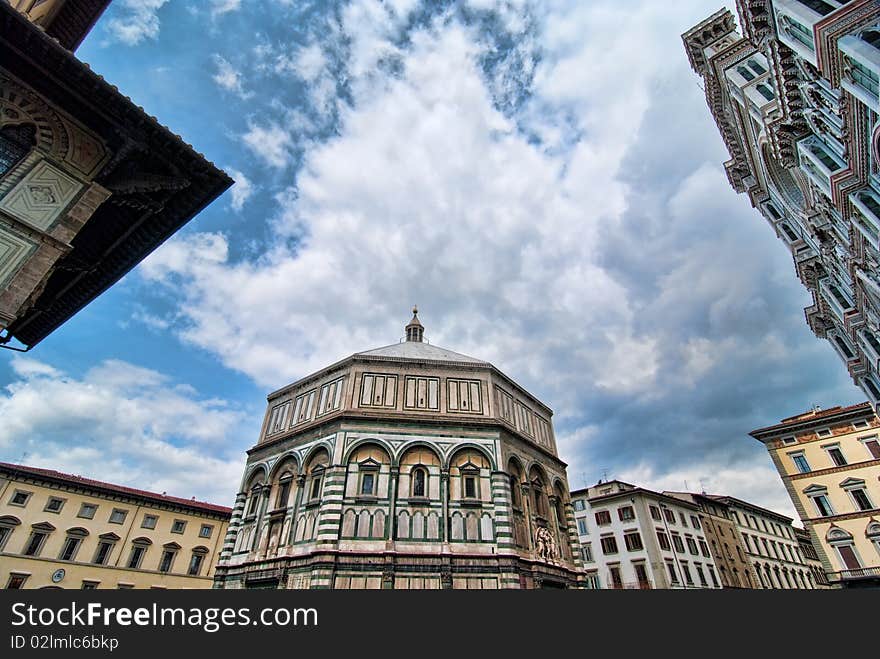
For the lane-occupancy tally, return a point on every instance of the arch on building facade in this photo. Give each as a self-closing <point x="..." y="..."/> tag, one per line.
<point x="358" y="443"/>
<point x="286" y="462"/>
<point x="470" y="446"/>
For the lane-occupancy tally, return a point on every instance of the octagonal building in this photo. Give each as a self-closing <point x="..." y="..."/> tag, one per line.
<point x="409" y="467"/>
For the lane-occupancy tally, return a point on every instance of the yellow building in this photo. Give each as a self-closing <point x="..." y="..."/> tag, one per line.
<point x="829" y="461"/>
<point x="63" y="531"/>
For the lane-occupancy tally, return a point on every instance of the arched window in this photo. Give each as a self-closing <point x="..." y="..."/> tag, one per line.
<point x="419" y="478"/>
<point x="254" y="499"/>
<point x="16" y="141"/>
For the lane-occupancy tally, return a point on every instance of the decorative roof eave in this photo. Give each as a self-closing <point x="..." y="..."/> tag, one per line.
<point x="361" y="358"/>
<point x="52" y="477"/>
<point x="55" y="73"/>
<point x="853" y="412"/>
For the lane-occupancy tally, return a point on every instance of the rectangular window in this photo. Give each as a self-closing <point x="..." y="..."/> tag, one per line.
<point x="206" y="530"/>
<point x="712" y="576"/>
<point x="695" y="522"/>
<point x="701" y="575"/>
<point x="470" y="487"/>
<point x="303" y="406"/>
<point x="692" y="546"/>
<point x="873" y="448"/>
<point x="676" y="541"/>
<point x="655" y="513"/>
<point x="195" y="564"/>
<point x="331" y="397"/>
<point x="823" y="506"/>
<point x="103" y="552"/>
<point x="582" y="527"/>
<point x="670" y="516"/>
<point x="688" y="578"/>
<point x="378" y="390"/>
<point x="278" y="418"/>
<point x="633" y="541"/>
<point x="800" y="462"/>
<point x="167" y="560"/>
<point x="149" y="522"/>
<point x="16" y="581"/>
<point x="20" y="498"/>
<point x="54" y="505"/>
<point x="861" y="499"/>
<point x="5" y="532"/>
<point x="118" y="516"/>
<point x="587" y="550"/>
<point x="368" y="482"/>
<point x="35" y="543"/>
<point x="704" y="548"/>
<point x="87" y="510"/>
<point x="836" y="456"/>
<point x="580" y="504"/>
<point x="609" y="545"/>
<point x="90" y="585"/>
<point x="422" y="393"/>
<point x="673" y="574"/>
<point x="663" y="539"/>
<point x="626" y="514"/>
<point x="136" y="556"/>
<point x="616" y="581"/>
<point x="178" y="526"/>
<point x="683" y="519"/>
<point x="603" y="517"/>
<point x="68" y="551"/>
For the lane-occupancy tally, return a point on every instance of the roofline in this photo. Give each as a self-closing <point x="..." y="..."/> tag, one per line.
<point x="788" y="427"/>
<point x="56" y="477"/>
<point x="360" y="357"/>
<point x="644" y="491"/>
<point x="725" y="498"/>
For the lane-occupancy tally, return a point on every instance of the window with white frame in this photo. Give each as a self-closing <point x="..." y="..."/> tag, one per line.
<point x="800" y="462"/>
<point x="582" y="526"/>
<point x="855" y="488"/>
<point x="819" y="495"/>
<point x="836" y="454"/>
<point x="872" y="445"/>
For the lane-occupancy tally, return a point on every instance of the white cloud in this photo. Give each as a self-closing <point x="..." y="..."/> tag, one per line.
<point x="139" y="20"/>
<point x="271" y="143"/>
<point x="123" y="423"/>
<point x="581" y="235"/>
<point x="242" y="190"/>
<point x="220" y="7"/>
<point x="229" y="78"/>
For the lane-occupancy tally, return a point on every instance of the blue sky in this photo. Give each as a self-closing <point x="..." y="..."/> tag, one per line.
<point x="542" y="178"/>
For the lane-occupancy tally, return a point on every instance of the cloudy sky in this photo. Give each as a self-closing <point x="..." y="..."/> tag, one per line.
<point x="542" y="178"/>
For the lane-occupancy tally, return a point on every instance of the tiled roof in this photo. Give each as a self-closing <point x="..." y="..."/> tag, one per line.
<point x="420" y="351"/>
<point x="110" y="487"/>
<point x="813" y="415"/>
